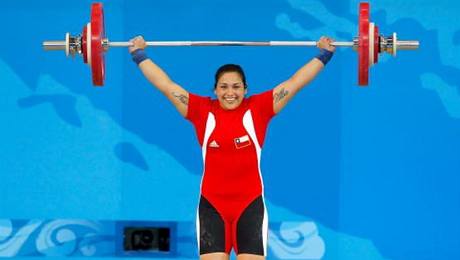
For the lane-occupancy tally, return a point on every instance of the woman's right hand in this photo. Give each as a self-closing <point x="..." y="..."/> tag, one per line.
<point x="325" y="43"/>
<point x="138" y="42"/>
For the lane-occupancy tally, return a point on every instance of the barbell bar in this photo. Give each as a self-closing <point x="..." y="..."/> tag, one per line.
<point x="92" y="44"/>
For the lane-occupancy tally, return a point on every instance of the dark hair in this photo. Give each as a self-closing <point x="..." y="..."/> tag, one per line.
<point x="230" y="68"/>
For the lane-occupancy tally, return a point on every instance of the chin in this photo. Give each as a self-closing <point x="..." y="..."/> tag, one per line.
<point x="232" y="106"/>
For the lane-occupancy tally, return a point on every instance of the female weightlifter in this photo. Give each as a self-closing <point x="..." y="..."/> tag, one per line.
<point x="231" y="130"/>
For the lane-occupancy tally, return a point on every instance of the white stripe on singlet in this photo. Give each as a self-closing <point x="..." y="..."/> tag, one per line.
<point x="210" y="126"/>
<point x="248" y="124"/>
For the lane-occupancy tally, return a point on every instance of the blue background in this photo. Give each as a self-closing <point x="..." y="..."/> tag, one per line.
<point x="349" y="172"/>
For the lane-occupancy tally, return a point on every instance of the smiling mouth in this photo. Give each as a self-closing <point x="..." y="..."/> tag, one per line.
<point x="230" y="100"/>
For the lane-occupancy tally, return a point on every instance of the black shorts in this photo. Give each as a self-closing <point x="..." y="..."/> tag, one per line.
<point x="246" y="232"/>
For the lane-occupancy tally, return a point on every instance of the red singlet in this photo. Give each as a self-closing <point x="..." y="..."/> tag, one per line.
<point x="231" y="142"/>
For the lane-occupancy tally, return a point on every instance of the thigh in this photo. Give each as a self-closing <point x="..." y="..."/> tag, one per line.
<point x="215" y="256"/>
<point x="252" y="230"/>
<point x="250" y="257"/>
<point x="211" y="230"/>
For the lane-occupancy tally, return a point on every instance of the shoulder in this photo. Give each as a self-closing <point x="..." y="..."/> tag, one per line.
<point x="198" y="100"/>
<point x="263" y="97"/>
<point x="199" y="97"/>
<point x="197" y="106"/>
<point x="262" y="103"/>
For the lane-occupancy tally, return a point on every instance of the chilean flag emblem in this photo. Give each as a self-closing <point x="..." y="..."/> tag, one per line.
<point x="242" y="141"/>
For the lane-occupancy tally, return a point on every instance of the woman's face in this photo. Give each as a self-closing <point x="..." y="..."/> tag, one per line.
<point x="230" y="90"/>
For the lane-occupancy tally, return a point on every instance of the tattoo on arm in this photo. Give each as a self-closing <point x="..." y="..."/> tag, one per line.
<point x="182" y="98"/>
<point x="280" y="95"/>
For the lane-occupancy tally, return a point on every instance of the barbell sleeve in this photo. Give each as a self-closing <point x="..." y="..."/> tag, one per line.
<point x="54" y="45"/>
<point x="407" y="45"/>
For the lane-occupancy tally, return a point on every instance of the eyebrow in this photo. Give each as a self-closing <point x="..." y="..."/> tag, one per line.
<point x="225" y="83"/>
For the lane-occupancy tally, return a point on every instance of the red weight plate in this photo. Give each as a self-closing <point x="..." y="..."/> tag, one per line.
<point x="376" y="44"/>
<point x="83" y="45"/>
<point x="363" y="44"/>
<point x="97" y="51"/>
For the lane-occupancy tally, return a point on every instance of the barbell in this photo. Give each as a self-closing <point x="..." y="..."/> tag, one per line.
<point x="92" y="44"/>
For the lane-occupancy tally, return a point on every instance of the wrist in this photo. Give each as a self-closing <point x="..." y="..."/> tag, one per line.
<point x="139" y="56"/>
<point x="324" y="56"/>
